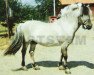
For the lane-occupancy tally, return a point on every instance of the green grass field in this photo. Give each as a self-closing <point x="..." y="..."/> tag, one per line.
<point x="4" y="40"/>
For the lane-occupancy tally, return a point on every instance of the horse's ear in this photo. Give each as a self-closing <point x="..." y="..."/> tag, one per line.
<point x="79" y="4"/>
<point x="83" y="5"/>
<point x="59" y="15"/>
<point x="88" y="5"/>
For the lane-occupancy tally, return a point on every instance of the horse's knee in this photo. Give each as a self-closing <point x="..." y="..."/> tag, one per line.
<point x="65" y="45"/>
<point x="64" y="53"/>
<point x="64" y="50"/>
<point x="31" y="53"/>
<point x="65" y="57"/>
<point x="32" y="49"/>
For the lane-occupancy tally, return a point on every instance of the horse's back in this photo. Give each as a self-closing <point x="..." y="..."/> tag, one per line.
<point x="35" y="28"/>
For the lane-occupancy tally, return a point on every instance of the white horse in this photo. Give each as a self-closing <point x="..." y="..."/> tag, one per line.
<point x="59" y="33"/>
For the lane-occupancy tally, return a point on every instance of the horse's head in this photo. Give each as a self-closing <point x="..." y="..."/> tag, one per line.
<point x="85" y="20"/>
<point x="83" y="12"/>
<point x="80" y="11"/>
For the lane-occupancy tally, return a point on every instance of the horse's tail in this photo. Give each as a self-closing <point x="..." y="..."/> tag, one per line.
<point x="15" y="45"/>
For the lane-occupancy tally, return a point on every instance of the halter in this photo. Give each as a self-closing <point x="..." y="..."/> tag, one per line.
<point x="81" y="22"/>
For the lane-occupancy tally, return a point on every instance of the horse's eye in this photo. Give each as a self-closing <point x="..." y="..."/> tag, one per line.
<point x="74" y="9"/>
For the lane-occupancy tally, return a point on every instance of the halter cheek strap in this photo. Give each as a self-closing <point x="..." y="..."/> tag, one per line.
<point x="80" y="22"/>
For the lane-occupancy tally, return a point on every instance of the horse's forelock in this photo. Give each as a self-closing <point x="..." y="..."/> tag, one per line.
<point x="79" y="4"/>
<point x="85" y="10"/>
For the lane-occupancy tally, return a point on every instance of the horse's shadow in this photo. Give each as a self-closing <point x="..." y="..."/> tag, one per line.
<point x="71" y="64"/>
<point x="44" y="64"/>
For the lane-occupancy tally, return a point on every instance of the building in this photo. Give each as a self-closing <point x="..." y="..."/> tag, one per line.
<point x="65" y="2"/>
<point x="90" y="2"/>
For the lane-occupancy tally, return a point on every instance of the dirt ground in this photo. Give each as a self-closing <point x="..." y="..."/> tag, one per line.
<point x="80" y="60"/>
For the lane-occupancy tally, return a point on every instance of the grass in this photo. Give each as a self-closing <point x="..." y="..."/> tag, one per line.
<point x="4" y="43"/>
<point x="3" y="30"/>
<point x="4" y="40"/>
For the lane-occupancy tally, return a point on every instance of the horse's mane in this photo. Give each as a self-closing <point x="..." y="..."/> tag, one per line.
<point x="68" y="10"/>
<point x="65" y="10"/>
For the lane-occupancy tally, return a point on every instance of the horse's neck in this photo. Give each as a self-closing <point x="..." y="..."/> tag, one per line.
<point x="69" y="25"/>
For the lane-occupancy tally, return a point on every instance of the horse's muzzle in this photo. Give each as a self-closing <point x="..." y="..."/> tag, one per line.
<point x="88" y="27"/>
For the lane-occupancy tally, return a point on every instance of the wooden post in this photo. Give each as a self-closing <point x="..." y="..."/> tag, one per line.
<point x="54" y="9"/>
<point x="7" y="20"/>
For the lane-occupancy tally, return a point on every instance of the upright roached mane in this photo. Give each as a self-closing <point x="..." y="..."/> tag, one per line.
<point x="61" y="33"/>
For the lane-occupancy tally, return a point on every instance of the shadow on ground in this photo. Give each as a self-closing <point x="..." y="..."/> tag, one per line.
<point x="71" y="64"/>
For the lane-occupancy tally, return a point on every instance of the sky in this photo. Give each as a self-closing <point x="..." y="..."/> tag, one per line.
<point x="30" y="2"/>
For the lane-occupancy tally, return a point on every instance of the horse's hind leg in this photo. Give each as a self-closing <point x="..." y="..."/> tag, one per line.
<point x="65" y="56"/>
<point x="32" y="49"/>
<point x="23" y="55"/>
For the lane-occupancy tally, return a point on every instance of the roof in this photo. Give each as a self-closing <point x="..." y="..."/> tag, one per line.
<point x="64" y="2"/>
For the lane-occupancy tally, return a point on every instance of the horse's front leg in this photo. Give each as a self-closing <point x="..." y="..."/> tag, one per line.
<point x="64" y="55"/>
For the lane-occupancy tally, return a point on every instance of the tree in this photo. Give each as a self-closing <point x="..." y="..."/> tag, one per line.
<point x="42" y="11"/>
<point x="5" y="11"/>
<point x="45" y="8"/>
<point x="2" y="10"/>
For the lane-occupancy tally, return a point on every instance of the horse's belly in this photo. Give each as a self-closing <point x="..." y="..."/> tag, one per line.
<point x="47" y="41"/>
<point x="50" y="43"/>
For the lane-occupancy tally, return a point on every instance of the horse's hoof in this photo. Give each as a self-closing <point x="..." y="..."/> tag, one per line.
<point x="24" y="68"/>
<point x="67" y="71"/>
<point x="61" y="67"/>
<point x="36" y="67"/>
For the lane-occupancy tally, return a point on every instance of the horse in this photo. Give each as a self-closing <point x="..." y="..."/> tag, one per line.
<point x="59" y="33"/>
